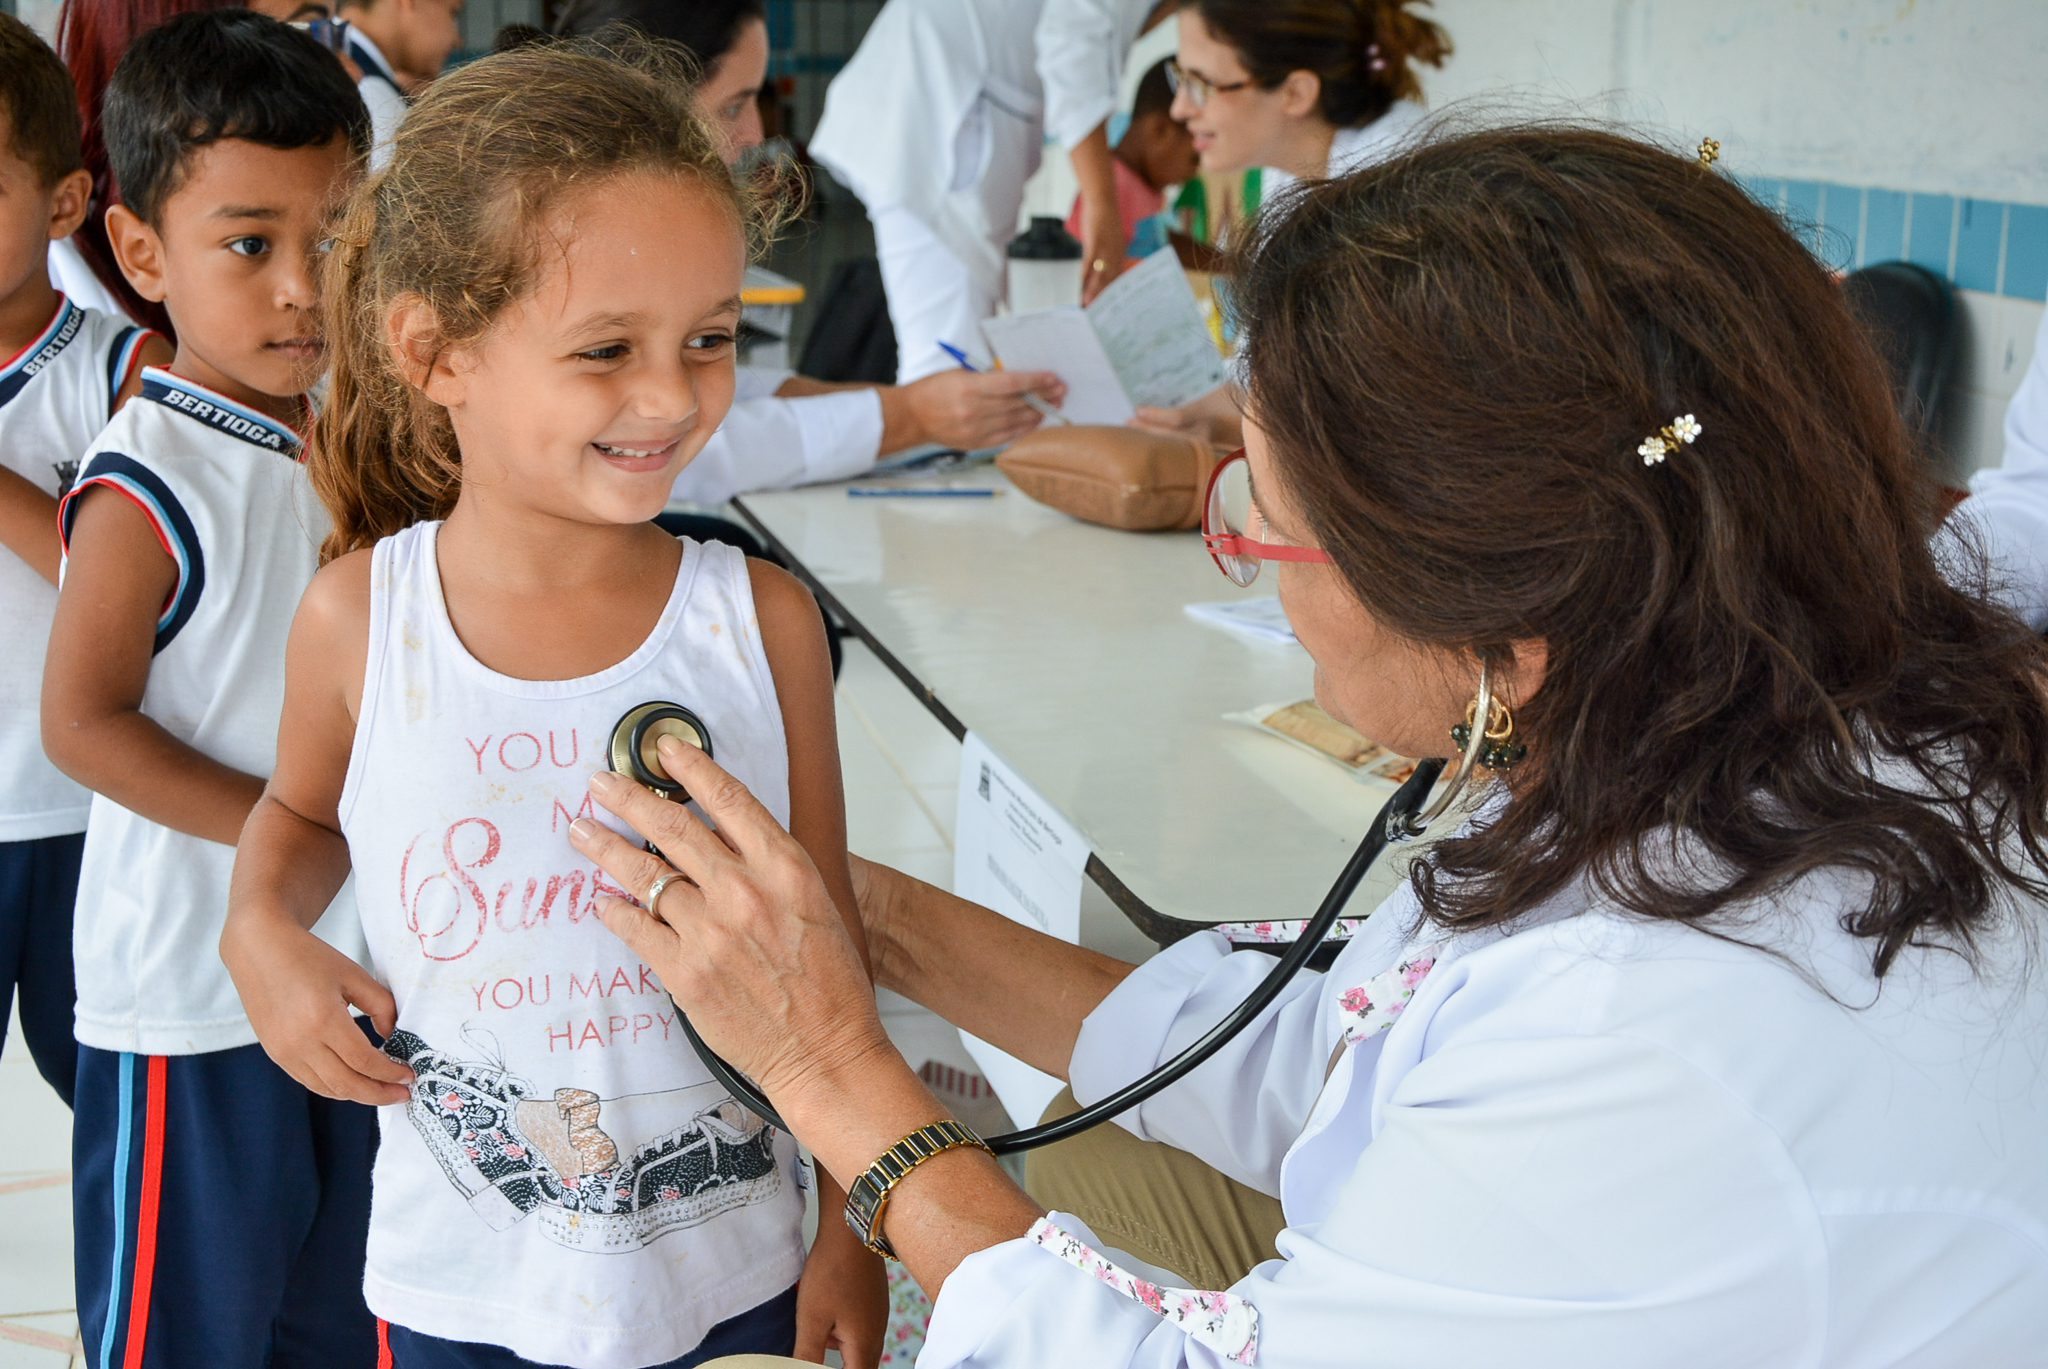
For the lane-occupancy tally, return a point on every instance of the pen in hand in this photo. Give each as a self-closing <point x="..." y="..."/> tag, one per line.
<point x="1046" y="410"/>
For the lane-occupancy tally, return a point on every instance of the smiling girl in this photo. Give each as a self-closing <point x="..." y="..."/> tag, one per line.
<point x="532" y="312"/>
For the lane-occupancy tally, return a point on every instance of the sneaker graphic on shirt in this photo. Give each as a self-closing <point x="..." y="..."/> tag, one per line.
<point x="513" y="1151"/>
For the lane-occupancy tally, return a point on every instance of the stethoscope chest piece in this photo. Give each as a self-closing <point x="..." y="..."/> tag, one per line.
<point x="634" y="738"/>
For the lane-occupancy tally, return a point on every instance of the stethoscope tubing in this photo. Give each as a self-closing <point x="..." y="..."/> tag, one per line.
<point x="1395" y="822"/>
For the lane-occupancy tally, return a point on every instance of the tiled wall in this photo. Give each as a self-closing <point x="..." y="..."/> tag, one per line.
<point x="1997" y="254"/>
<point x="1988" y="246"/>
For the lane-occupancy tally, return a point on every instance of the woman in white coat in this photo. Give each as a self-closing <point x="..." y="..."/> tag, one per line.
<point x="936" y="124"/>
<point x="1711" y="1037"/>
<point x="1304" y="89"/>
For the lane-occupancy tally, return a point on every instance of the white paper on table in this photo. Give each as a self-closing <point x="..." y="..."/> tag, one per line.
<point x="1015" y="853"/>
<point x="1260" y="619"/>
<point x="1152" y="330"/>
<point x="1064" y="342"/>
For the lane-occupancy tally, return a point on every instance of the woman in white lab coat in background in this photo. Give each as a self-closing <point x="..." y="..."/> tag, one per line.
<point x="1304" y="89"/>
<point x="936" y="124"/>
<point x="1711" y="1037"/>
<point x="786" y="429"/>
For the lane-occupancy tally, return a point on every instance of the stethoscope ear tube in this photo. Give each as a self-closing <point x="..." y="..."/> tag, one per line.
<point x="1395" y="822"/>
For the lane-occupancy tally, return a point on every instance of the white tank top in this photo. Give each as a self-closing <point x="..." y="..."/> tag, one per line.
<point x="566" y="1181"/>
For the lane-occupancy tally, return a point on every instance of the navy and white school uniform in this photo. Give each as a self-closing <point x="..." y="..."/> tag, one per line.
<point x="219" y="1208"/>
<point x="1583" y="1140"/>
<point x="567" y="1183"/>
<point x="381" y="93"/>
<point x="56" y="393"/>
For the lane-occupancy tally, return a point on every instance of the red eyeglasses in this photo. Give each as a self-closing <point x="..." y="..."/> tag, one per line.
<point x="1230" y="517"/>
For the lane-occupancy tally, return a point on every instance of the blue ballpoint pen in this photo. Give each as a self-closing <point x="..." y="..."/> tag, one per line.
<point x="1033" y="400"/>
<point x="922" y="492"/>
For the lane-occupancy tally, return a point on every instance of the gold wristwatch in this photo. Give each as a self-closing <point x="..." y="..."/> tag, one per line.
<point x="868" y="1195"/>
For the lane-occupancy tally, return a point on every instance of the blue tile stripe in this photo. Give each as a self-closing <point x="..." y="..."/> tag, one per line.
<point x="1993" y="246"/>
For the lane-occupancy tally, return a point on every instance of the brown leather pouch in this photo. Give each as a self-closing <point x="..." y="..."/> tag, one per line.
<point x="1118" y="477"/>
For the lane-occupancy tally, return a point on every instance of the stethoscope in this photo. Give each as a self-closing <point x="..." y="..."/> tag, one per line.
<point x="1400" y="819"/>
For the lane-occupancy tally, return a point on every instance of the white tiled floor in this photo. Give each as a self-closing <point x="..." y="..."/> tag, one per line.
<point x="899" y="770"/>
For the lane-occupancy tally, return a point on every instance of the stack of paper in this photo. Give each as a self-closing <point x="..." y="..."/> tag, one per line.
<point x="1142" y="342"/>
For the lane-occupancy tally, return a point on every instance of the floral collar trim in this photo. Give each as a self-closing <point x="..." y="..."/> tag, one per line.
<point x="1372" y="1007"/>
<point x="1223" y="1322"/>
<point x="1285" y="932"/>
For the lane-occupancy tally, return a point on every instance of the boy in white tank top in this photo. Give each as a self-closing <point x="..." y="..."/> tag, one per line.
<point x="218" y="1207"/>
<point x="66" y="370"/>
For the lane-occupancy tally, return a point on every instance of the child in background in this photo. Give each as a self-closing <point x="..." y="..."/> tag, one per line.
<point x="533" y="312"/>
<point x="1155" y="152"/>
<point x="67" y="370"/>
<point x="219" y="1208"/>
<point x="397" y="45"/>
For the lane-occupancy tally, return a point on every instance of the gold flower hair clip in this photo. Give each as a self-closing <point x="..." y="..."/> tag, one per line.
<point x="1679" y="432"/>
<point x="1709" y="152"/>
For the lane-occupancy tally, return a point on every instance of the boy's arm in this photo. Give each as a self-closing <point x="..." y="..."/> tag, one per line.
<point x="28" y="524"/>
<point x="842" y="1301"/>
<point x="301" y="994"/>
<point x="292" y="858"/>
<point x="101" y="645"/>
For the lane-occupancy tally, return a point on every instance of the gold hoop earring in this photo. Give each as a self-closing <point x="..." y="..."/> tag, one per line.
<point x="1498" y="748"/>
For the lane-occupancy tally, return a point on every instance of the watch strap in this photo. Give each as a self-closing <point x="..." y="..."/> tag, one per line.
<point x="868" y="1195"/>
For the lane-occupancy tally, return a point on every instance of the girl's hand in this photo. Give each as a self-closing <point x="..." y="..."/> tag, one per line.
<point x="751" y="944"/>
<point x="298" y="991"/>
<point x="843" y="1302"/>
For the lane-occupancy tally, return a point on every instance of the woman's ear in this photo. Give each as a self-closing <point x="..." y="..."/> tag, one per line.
<point x="414" y="336"/>
<point x="138" y="251"/>
<point x="70" y="200"/>
<point x="1301" y="94"/>
<point x="1532" y="664"/>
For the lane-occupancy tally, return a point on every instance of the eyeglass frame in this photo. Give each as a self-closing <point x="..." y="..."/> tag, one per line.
<point x="1199" y="88"/>
<point x="1222" y="542"/>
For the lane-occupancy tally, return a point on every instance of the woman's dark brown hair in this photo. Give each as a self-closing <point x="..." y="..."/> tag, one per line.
<point x="1456" y="355"/>
<point x="1363" y="51"/>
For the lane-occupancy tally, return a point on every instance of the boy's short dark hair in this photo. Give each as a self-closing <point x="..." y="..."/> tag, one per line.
<point x="40" y="104"/>
<point x="1155" y="92"/>
<point x="225" y="73"/>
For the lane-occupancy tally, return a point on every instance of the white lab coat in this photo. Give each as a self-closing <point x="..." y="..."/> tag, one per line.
<point x="768" y="442"/>
<point x="2008" y="505"/>
<point x="936" y="123"/>
<point x="1353" y="148"/>
<point x="1591" y="1141"/>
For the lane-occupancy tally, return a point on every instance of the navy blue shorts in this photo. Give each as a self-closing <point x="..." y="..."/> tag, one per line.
<point x="769" y="1329"/>
<point x="38" y="884"/>
<point x="220" y="1213"/>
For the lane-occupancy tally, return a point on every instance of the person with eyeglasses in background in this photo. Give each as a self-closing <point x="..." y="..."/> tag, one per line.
<point x="1305" y="89"/>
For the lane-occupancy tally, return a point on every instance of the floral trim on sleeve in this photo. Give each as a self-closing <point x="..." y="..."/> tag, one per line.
<point x="1372" y="1007"/>
<point x="1285" y="932"/>
<point x="1224" y="1322"/>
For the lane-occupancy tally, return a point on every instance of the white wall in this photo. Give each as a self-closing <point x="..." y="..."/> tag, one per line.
<point x="1946" y="97"/>
<point x="1931" y="95"/>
